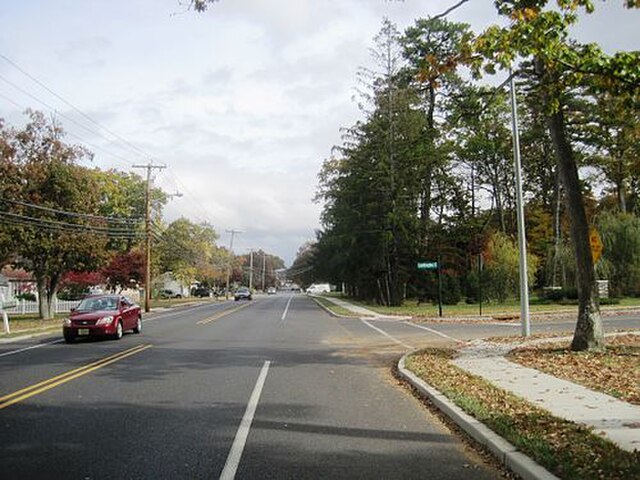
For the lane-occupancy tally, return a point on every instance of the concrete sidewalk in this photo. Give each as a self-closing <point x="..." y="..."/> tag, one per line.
<point x="614" y="419"/>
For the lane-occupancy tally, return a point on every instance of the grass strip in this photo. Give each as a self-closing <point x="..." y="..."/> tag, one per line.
<point x="566" y="449"/>
<point x="30" y="323"/>
<point x="337" y="309"/>
<point x="510" y="307"/>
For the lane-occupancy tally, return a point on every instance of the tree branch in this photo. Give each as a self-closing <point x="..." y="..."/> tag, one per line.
<point x="450" y="9"/>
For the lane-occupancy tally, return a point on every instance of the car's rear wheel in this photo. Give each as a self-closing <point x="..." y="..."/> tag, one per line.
<point x="119" y="332"/>
<point x="69" y="337"/>
<point x="138" y="327"/>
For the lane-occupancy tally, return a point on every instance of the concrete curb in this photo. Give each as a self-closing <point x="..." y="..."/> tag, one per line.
<point x="516" y="461"/>
<point x="52" y="331"/>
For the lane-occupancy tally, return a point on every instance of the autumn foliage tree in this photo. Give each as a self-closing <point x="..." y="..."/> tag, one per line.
<point x="539" y="33"/>
<point x="124" y="270"/>
<point x="40" y="179"/>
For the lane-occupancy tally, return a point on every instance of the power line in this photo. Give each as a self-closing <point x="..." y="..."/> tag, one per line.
<point x="73" y="214"/>
<point x="21" y="220"/>
<point x="133" y="147"/>
<point x="123" y="142"/>
<point x="45" y="221"/>
<point x="70" y="119"/>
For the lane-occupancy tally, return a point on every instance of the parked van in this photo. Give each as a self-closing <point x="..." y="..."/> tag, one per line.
<point x="317" y="288"/>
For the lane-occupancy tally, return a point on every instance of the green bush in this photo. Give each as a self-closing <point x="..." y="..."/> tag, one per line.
<point x="553" y="294"/>
<point x="29" y="297"/>
<point x="610" y="301"/>
<point x="571" y="293"/>
<point x="451" y="294"/>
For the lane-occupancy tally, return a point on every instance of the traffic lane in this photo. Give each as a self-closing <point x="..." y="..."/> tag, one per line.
<point x="6" y="345"/>
<point x="327" y="412"/>
<point x="166" y="413"/>
<point x="22" y="365"/>
<point x="333" y="420"/>
<point x="171" y="414"/>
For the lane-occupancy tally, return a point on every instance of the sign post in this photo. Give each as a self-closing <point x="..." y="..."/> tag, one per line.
<point x="439" y="287"/>
<point x="434" y="266"/>
<point x="427" y="265"/>
<point x="480" y="281"/>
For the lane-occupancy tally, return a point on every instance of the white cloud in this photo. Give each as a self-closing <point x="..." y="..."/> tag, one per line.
<point x="243" y="103"/>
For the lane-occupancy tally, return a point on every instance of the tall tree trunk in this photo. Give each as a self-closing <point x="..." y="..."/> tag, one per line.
<point x="588" y="334"/>
<point x="622" y="201"/>
<point x="556" y="231"/>
<point x="47" y="289"/>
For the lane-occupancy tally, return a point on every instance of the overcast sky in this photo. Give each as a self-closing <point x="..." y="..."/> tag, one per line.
<point x="242" y="103"/>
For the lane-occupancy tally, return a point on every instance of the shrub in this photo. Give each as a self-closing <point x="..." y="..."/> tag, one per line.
<point x="30" y="297"/>
<point x="553" y="294"/>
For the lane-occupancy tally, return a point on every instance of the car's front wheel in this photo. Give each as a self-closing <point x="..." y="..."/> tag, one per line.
<point x="69" y="337"/>
<point x="119" y="331"/>
<point x="138" y="327"/>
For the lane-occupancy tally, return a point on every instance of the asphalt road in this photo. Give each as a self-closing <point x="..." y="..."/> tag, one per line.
<point x="273" y="388"/>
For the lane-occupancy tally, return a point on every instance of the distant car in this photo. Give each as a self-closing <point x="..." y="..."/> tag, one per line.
<point x="166" y="293"/>
<point x="201" y="292"/>
<point x="271" y="291"/>
<point x="242" y="293"/>
<point x="102" y="315"/>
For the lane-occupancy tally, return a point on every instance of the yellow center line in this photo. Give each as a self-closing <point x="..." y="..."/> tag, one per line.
<point x="222" y="314"/>
<point x="53" y="382"/>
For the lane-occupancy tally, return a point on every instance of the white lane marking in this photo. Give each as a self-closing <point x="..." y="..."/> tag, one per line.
<point x="284" y="315"/>
<point x="444" y="335"/>
<point x="386" y="334"/>
<point x="233" y="459"/>
<point x="30" y="348"/>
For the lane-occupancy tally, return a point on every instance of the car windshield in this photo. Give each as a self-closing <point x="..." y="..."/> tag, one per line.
<point x="243" y="290"/>
<point x="95" y="304"/>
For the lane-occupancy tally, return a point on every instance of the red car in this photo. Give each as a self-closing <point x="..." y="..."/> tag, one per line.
<point x="102" y="315"/>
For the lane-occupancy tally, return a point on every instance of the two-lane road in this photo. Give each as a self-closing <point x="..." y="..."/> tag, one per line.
<point x="274" y="388"/>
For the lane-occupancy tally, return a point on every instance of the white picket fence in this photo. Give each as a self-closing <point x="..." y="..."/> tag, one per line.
<point x="26" y="306"/>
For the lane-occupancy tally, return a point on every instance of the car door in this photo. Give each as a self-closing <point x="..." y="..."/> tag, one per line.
<point x="128" y="314"/>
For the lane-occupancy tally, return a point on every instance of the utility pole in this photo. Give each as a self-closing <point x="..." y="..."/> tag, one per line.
<point x="147" y="268"/>
<point x="250" y="269"/>
<point x="522" y="239"/>
<point x="264" y="268"/>
<point x="233" y="233"/>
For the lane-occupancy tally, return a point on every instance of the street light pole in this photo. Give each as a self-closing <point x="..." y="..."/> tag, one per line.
<point x="522" y="238"/>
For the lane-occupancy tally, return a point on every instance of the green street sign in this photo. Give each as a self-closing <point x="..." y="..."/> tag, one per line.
<point x="427" y="265"/>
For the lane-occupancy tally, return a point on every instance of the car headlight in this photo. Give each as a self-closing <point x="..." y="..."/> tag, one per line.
<point x="104" y="321"/>
<point x="67" y="322"/>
